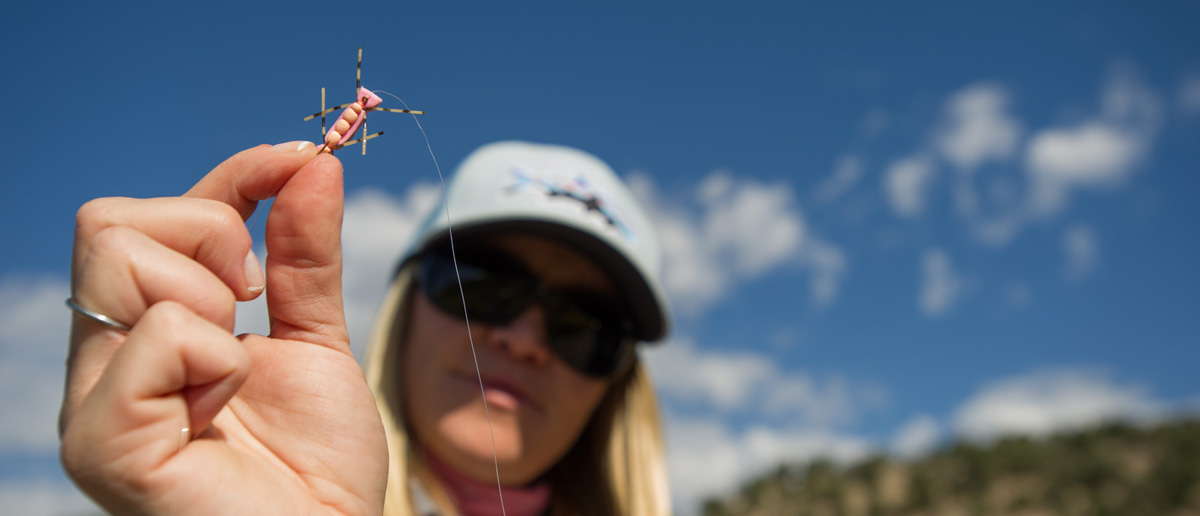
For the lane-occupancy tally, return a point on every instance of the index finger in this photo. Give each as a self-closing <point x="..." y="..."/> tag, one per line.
<point x="253" y="175"/>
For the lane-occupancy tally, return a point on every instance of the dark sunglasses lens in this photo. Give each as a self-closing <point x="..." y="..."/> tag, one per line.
<point x="588" y="334"/>
<point x="492" y="296"/>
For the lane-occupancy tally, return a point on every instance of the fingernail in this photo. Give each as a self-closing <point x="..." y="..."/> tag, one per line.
<point x="292" y="146"/>
<point x="254" y="275"/>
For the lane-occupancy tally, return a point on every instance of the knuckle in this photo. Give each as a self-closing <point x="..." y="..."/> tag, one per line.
<point x="113" y="241"/>
<point x="219" y="220"/>
<point x="168" y="314"/>
<point x="222" y="240"/>
<point x="94" y="213"/>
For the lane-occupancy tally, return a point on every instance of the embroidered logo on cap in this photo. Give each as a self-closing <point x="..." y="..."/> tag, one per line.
<point x="575" y="189"/>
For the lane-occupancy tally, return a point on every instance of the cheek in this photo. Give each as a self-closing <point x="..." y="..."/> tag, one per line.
<point x="429" y="391"/>
<point x="577" y="397"/>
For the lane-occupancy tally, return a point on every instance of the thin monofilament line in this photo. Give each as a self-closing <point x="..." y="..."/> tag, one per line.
<point x="454" y="259"/>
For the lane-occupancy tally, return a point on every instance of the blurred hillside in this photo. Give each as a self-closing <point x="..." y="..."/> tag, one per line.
<point x="1116" y="469"/>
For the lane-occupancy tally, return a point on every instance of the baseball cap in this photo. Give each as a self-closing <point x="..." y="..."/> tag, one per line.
<point x="562" y="194"/>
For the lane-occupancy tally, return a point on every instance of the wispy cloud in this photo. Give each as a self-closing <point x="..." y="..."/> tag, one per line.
<point x="43" y="497"/>
<point x="708" y="458"/>
<point x="730" y="230"/>
<point x="33" y="345"/>
<point x="977" y="127"/>
<point x="752" y="383"/>
<point x="376" y="230"/>
<point x="941" y="286"/>
<point x="1100" y="151"/>
<point x="1189" y="95"/>
<point x="906" y="183"/>
<point x="1050" y="401"/>
<point x="1081" y="252"/>
<point x="755" y="226"/>
<point x="827" y="264"/>
<point x="846" y="174"/>
<point x="917" y="437"/>
<point x="33" y="348"/>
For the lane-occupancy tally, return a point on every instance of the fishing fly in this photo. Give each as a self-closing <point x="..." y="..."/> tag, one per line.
<point x="353" y="116"/>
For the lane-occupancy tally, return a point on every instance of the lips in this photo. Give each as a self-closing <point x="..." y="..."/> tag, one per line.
<point x="502" y="393"/>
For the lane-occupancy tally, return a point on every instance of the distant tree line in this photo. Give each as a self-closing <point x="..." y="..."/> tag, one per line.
<point x="1114" y="469"/>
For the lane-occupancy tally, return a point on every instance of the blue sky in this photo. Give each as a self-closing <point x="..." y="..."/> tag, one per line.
<point x="886" y="226"/>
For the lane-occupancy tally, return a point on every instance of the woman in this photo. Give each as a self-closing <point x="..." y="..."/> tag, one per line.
<point x="174" y="415"/>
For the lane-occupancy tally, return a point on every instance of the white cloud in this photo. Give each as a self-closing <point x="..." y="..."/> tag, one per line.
<point x="998" y="230"/>
<point x="1081" y="251"/>
<point x="376" y="230"/>
<point x="756" y="225"/>
<point x="1102" y="151"/>
<point x="34" y="326"/>
<point x="707" y="458"/>
<point x="1091" y="154"/>
<point x="820" y="405"/>
<point x="733" y="230"/>
<point x="941" y="286"/>
<point x="721" y="380"/>
<point x="845" y="175"/>
<point x="906" y="184"/>
<point x="34" y="320"/>
<point x="33" y="348"/>
<point x="43" y="497"/>
<point x="744" y="382"/>
<point x="976" y="127"/>
<point x="1189" y="95"/>
<point x="1051" y="401"/>
<point x="917" y="437"/>
<point x="691" y="275"/>
<point x="827" y="264"/>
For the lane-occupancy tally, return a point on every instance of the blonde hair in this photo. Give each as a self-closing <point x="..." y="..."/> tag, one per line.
<point x="616" y="467"/>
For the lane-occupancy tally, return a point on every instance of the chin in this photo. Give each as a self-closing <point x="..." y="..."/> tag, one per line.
<point x="470" y="439"/>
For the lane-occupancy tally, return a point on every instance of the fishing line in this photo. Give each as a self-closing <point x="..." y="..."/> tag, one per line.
<point x="466" y="319"/>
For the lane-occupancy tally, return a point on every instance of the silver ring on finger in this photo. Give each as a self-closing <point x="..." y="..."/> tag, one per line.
<point x="96" y="317"/>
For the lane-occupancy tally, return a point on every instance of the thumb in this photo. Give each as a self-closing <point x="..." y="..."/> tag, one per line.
<point x="304" y="256"/>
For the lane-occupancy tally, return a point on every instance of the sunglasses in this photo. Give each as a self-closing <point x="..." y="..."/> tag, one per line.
<point x="588" y="331"/>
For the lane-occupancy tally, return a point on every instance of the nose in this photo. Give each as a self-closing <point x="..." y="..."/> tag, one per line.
<point x="524" y="338"/>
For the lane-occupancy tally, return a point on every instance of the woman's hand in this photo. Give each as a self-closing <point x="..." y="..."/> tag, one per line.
<point x="283" y="424"/>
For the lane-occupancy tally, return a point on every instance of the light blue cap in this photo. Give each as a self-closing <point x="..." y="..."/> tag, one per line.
<point x="568" y="196"/>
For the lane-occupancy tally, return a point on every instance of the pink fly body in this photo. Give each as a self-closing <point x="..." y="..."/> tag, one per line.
<point x="353" y="116"/>
<point x="366" y="100"/>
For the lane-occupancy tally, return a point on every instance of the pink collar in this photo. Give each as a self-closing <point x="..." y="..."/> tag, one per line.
<point x="475" y="498"/>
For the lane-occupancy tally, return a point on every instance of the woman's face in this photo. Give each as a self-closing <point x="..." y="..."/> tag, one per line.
<point x="538" y="404"/>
